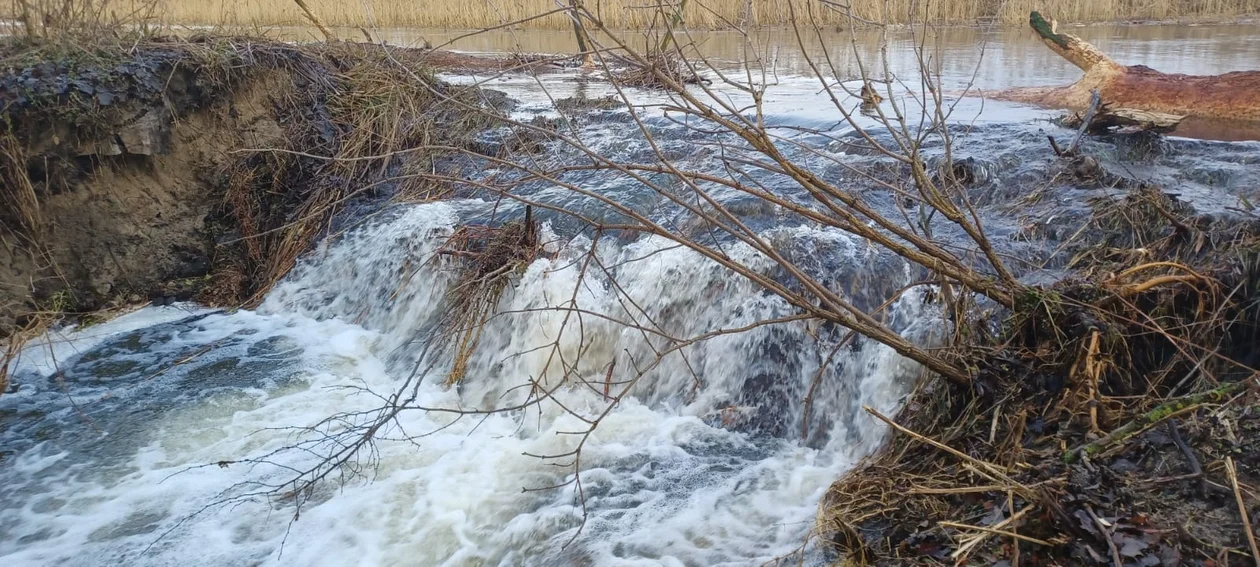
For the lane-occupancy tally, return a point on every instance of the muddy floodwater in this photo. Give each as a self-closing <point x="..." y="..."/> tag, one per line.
<point x="154" y="439"/>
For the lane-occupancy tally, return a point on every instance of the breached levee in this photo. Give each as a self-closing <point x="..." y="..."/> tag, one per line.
<point x="1230" y="96"/>
<point x="175" y="169"/>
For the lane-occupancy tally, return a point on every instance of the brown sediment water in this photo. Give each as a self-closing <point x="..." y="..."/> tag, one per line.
<point x="1011" y="57"/>
<point x="969" y="60"/>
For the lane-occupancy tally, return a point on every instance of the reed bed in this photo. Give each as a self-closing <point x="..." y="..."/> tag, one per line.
<point x="698" y="14"/>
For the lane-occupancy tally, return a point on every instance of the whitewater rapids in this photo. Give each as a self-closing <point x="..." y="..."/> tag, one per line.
<point x="113" y="437"/>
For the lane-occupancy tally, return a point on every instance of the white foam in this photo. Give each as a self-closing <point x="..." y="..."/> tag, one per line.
<point x="44" y="355"/>
<point x="662" y="484"/>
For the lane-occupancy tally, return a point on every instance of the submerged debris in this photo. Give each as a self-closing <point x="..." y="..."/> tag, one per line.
<point x="1124" y="120"/>
<point x="657" y="70"/>
<point x="580" y="103"/>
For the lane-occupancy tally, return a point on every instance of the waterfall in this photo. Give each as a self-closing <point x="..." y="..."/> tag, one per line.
<point x="706" y="459"/>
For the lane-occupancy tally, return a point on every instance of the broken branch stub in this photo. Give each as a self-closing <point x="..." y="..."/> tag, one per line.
<point x="1069" y="47"/>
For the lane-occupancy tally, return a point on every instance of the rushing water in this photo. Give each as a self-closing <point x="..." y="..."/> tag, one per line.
<point x="99" y="454"/>
<point x="156" y="438"/>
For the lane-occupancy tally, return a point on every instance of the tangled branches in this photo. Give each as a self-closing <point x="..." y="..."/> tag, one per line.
<point x="1152" y="334"/>
<point x="1071" y="362"/>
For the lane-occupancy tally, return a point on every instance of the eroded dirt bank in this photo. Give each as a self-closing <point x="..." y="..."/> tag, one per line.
<point x="197" y="169"/>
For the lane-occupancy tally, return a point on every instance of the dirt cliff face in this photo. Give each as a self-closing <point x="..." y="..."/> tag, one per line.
<point x="131" y="213"/>
<point x="159" y="172"/>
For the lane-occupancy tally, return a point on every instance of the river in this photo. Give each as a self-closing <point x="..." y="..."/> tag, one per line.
<point x="171" y="435"/>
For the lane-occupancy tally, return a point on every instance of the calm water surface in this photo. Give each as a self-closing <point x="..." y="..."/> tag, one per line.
<point x="969" y="60"/>
<point x="1011" y="56"/>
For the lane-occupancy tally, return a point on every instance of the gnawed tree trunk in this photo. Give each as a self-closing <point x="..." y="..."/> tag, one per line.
<point x="315" y="21"/>
<point x="1139" y="88"/>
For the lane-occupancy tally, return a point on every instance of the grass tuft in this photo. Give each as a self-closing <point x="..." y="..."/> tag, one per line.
<point x="486" y="259"/>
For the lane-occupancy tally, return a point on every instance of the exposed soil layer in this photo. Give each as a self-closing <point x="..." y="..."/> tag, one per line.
<point x="199" y="169"/>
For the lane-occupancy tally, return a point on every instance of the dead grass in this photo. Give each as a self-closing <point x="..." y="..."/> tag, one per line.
<point x="486" y="259"/>
<point x="702" y="14"/>
<point x="349" y="120"/>
<point x="351" y="135"/>
<point x="12" y="345"/>
<point x="22" y="215"/>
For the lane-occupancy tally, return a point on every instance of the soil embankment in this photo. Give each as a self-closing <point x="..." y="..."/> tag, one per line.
<point x="198" y="169"/>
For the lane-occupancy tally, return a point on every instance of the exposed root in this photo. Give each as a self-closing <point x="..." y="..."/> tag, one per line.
<point x="372" y="116"/>
<point x="12" y="346"/>
<point x="21" y="215"/>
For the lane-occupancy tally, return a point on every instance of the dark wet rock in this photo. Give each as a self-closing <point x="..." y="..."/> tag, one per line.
<point x="499" y="100"/>
<point x="1087" y="168"/>
<point x="969" y="171"/>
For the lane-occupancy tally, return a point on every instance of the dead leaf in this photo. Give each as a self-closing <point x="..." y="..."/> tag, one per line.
<point x="1086" y="522"/>
<point x="1129" y="546"/>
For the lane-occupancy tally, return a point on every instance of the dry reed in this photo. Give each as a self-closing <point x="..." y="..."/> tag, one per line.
<point x="703" y="14"/>
<point x="349" y="138"/>
<point x="486" y="259"/>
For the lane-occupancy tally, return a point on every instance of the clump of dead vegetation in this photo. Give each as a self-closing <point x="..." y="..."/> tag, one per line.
<point x="657" y="71"/>
<point x="485" y="259"/>
<point x="1113" y="425"/>
<point x="579" y="103"/>
<point x="354" y="136"/>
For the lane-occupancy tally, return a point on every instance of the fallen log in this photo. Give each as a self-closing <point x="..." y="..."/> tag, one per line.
<point x="1138" y="88"/>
